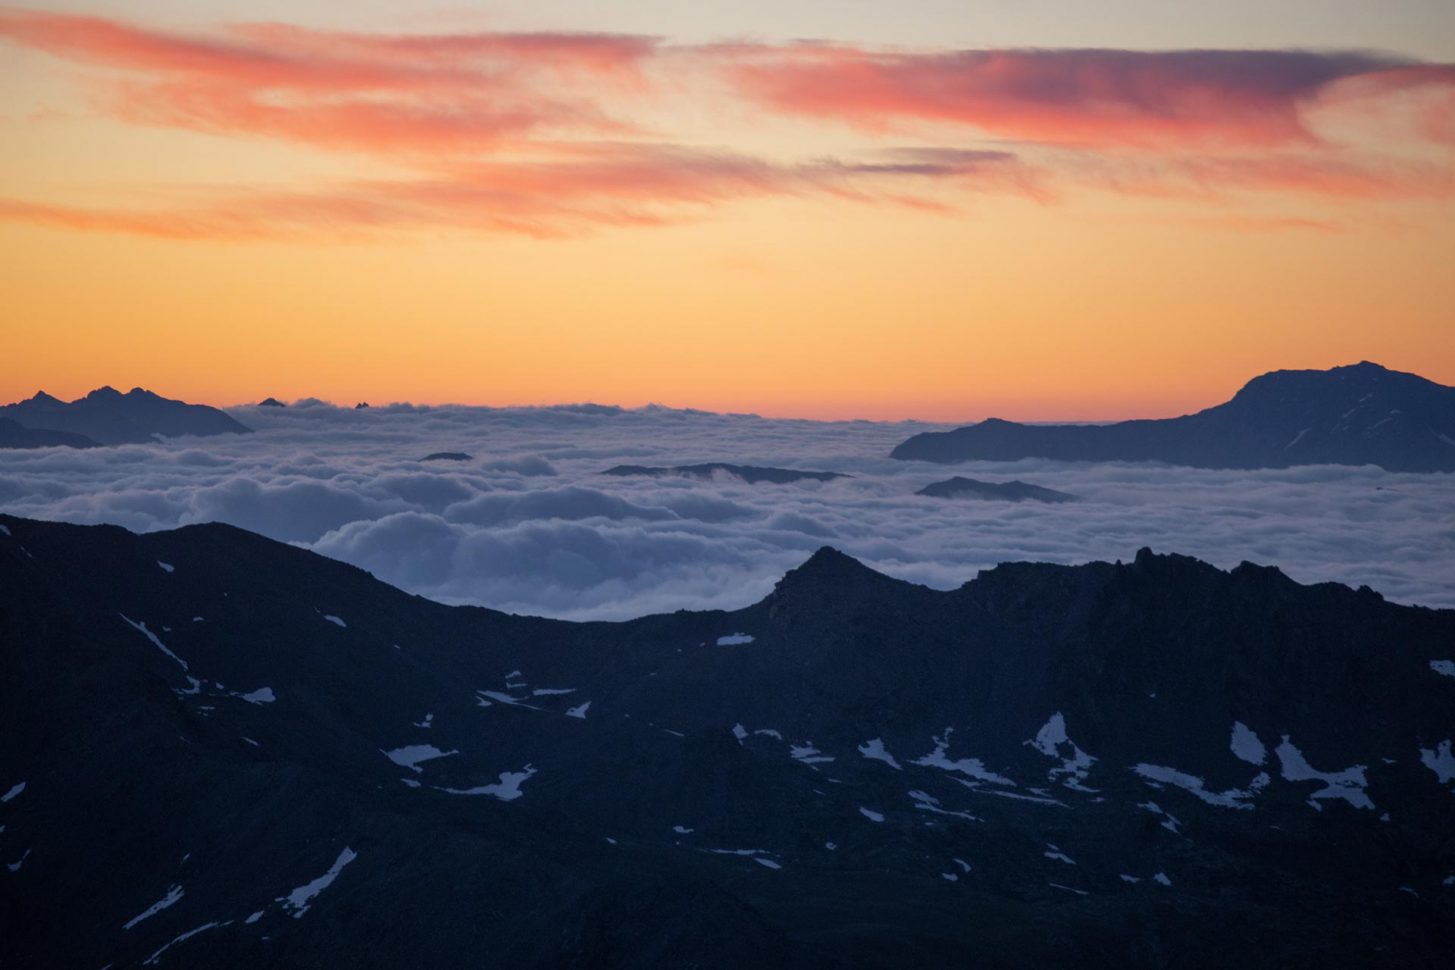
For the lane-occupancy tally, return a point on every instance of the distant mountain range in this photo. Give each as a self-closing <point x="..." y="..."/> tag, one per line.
<point x="13" y="434"/>
<point x="221" y="751"/>
<point x="108" y="417"/>
<point x="752" y="474"/>
<point x="1362" y="414"/>
<point x="1013" y="491"/>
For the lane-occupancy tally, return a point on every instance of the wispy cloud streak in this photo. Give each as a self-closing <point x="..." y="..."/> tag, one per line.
<point x="557" y="133"/>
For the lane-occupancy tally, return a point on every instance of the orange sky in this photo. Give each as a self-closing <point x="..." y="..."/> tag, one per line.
<point x="223" y="213"/>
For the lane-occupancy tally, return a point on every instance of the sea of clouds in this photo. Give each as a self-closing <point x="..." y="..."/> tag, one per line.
<point x="530" y="524"/>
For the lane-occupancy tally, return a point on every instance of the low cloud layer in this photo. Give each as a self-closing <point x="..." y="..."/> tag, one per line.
<point x="530" y="525"/>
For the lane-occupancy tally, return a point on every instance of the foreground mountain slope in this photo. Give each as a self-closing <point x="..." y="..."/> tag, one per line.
<point x="1362" y="414"/>
<point x="112" y="418"/>
<point x="1048" y="765"/>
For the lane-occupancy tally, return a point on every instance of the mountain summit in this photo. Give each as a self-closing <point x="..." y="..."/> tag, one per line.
<point x="1362" y="414"/>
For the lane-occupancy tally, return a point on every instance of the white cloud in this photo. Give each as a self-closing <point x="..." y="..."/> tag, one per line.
<point x="529" y="524"/>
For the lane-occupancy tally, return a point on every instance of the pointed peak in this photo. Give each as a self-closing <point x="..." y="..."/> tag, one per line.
<point x="827" y="557"/>
<point x="41" y="397"/>
<point x="104" y="393"/>
<point x="142" y="393"/>
<point x="828" y="568"/>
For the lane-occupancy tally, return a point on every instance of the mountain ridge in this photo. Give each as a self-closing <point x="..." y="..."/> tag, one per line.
<point x="109" y="417"/>
<point x="1352" y="415"/>
<point x="789" y="784"/>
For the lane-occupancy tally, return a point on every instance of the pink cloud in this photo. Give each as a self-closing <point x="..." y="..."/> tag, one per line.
<point x="1088" y="98"/>
<point x="543" y="133"/>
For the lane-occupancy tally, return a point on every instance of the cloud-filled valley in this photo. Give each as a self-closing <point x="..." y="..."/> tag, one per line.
<point x="530" y="525"/>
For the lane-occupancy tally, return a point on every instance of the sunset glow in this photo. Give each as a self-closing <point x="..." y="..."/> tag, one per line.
<point x="472" y="207"/>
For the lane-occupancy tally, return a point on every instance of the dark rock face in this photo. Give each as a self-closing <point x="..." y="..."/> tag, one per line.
<point x="752" y="474"/>
<point x="111" y="418"/>
<point x="1013" y="491"/>
<point x="1137" y="765"/>
<point x="446" y="456"/>
<point x="1362" y="414"/>
<point x="13" y="434"/>
<point x="271" y="402"/>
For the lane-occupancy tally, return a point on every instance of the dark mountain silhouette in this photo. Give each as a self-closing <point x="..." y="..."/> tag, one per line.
<point x="271" y="402"/>
<point x="752" y="474"/>
<point x="13" y="434"/>
<point x="1362" y="414"/>
<point x="112" y="418"/>
<point x="446" y="456"/>
<point x="218" y="750"/>
<point x="1012" y="491"/>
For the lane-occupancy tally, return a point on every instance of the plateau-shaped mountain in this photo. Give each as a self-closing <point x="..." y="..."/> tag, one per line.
<point x="1362" y="414"/>
<point x="221" y="751"/>
<point x="111" y="418"/>
<point x="752" y="474"/>
<point x="1012" y="491"/>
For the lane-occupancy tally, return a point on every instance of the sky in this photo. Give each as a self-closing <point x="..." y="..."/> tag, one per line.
<point x="933" y="209"/>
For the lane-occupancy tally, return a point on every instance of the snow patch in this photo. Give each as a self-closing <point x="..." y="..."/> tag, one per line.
<point x="173" y="894"/>
<point x="1349" y="784"/>
<point x="298" y="901"/>
<point x="1246" y="746"/>
<point x="151" y="960"/>
<point x="875" y="751"/>
<point x="14" y="790"/>
<point x="166" y="566"/>
<point x="1052" y="741"/>
<point x="926" y="802"/>
<point x="507" y="789"/>
<point x="411" y="756"/>
<point x="734" y="639"/>
<point x="142" y="629"/>
<point x="336" y="621"/>
<point x="808" y="754"/>
<point x="579" y="711"/>
<point x="871" y="815"/>
<point x="973" y="767"/>
<point x="1054" y="852"/>
<point x="1446" y="667"/>
<point x="1440" y="760"/>
<point x="1232" y="798"/>
<point x="263" y="695"/>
